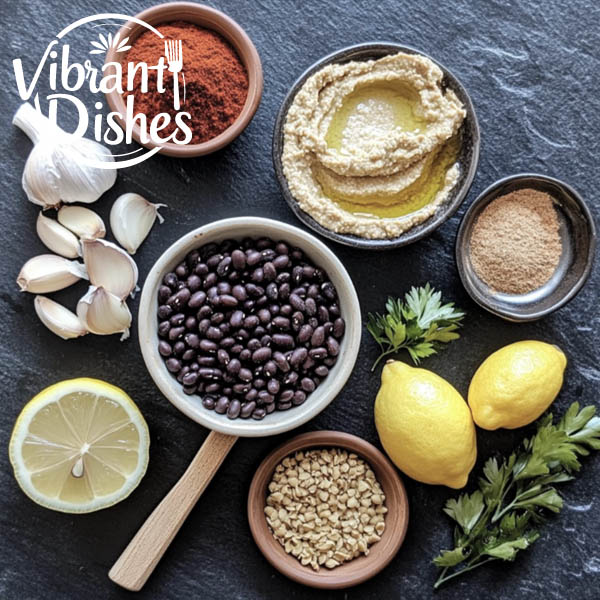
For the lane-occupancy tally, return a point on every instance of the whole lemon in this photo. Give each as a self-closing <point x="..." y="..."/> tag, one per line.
<point x="425" y="425"/>
<point x="516" y="384"/>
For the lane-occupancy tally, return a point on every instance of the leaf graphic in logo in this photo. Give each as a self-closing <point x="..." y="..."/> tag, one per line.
<point x="109" y="41"/>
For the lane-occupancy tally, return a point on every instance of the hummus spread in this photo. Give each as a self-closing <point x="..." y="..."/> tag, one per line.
<point x="370" y="147"/>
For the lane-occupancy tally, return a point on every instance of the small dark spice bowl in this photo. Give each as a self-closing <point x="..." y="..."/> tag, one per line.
<point x="577" y="232"/>
<point x="467" y="160"/>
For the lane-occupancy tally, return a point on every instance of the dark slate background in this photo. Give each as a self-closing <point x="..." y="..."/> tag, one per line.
<point x="532" y="70"/>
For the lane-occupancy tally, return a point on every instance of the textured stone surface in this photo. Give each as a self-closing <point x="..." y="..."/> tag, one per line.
<point x="531" y="69"/>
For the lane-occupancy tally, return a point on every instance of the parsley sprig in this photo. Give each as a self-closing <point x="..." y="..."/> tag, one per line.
<point x="421" y="324"/>
<point x="515" y="495"/>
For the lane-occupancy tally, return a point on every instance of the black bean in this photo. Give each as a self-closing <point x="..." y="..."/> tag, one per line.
<point x="251" y="321"/>
<point x="177" y="320"/>
<point x="254" y="290"/>
<point x="214" y="333"/>
<point x="212" y="388"/>
<point x="190" y="378"/>
<point x="318" y="337"/>
<point x="259" y="414"/>
<point x="297" y="302"/>
<point x="208" y="402"/>
<point x="191" y="323"/>
<point x="170" y="280"/>
<point x="182" y="270"/>
<point x="178" y="348"/>
<point x="224" y="266"/>
<point x="217" y="318"/>
<point x="281" y="362"/>
<point x="239" y="292"/>
<point x="164" y="311"/>
<point x="322" y="371"/>
<point x="264" y="397"/>
<point x="333" y="346"/>
<point x="222" y="356"/>
<point x="270" y="368"/>
<point x="234" y="409"/>
<point x="305" y="334"/>
<point x="264" y="315"/>
<point x="197" y="299"/>
<point x="222" y="405"/>
<point x="253" y="258"/>
<point x="286" y="395"/>
<point x="307" y="384"/>
<point x="286" y="310"/>
<point x="182" y="372"/>
<point x="189" y="389"/>
<point x="189" y="354"/>
<point x="206" y="361"/>
<point x="311" y="307"/>
<point x="241" y="388"/>
<point x="173" y="365"/>
<point x="245" y="374"/>
<point x="238" y="258"/>
<point x="163" y="328"/>
<point x="223" y="287"/>
<point x="297" y="320"/>
<point x="269" y="271"/>
<point x="247" y="409"/>
<point x="214" y="260"/>
<point x="273" y="387"/>
<point x="227" y="342"/>
<point x="281" y="262"/>
<point x="201" y="269"/>
<point x="261" y="355"/>
<point x="317" y="353"/>
<point x="164" y="348"/>
<point x="175" y="333"/>
<point x="283" y="340"/>
<point x="251" y="395"/>
<point x="179" y="299"/>
<point x="208" y="346"/>
<point x="192" y="340"/>
<point x="282" y="323"/>
<point x="334" y="311"/>
<point x="164" y="293"/>
<point x="284" y="277"/>
<point x="205" y="311"/>
<point x="194" y="282"/>
<point x="299" y="398"/>
<point x="203" y="326"/>
<point x="234" y="366"/>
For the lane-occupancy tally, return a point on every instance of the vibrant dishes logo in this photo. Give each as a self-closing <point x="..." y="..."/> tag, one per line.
<point x="70" y="80"/>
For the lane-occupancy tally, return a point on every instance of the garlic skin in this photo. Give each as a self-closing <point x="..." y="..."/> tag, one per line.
<point x="49" y="273"/>
<point x="132" y="218"/>
<point x="56" y="237"/>
<point x="56" y="170"/>
<point x="110" y="267"/>
<point x="83" y="222"/>
<point x="58" y="319"/>
<point x="103" y="313"/>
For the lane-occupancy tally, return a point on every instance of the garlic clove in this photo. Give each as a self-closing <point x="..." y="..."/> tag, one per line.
<point x="110" y="267"/>
<point x="49" y="273"/>
<point x="56" y="237"/>
<point x="58" y="319"/>
<point x="131" y="219"/>
<point x="82" y="222"/>
<point x="58" y="168"/>
<point x="103" y="313"/>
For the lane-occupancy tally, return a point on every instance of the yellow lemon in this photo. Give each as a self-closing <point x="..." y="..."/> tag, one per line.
<point x="79" y="445"/>
<point x="425" y="425"/>
<point x="516" y="384"/>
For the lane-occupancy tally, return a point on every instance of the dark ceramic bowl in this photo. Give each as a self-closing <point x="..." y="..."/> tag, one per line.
<point x="469" y="154"/>
<point x="578" y="236"/>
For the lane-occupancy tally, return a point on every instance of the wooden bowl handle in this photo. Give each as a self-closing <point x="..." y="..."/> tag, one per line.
<point x="138" y="560"/>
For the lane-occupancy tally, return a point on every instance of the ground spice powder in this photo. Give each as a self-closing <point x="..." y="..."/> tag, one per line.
<point x="215" y="78"/>
<point x="515" y="245"/>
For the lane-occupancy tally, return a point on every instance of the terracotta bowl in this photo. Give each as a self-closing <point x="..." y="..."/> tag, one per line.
<point x="359" y="569"/>
<point x="208" y="18"/>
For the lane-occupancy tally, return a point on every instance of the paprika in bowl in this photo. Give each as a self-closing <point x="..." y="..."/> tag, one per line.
<point x="194" y="88"/>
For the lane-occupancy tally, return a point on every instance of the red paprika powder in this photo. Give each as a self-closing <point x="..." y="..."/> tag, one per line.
<point x="216" y="81"/>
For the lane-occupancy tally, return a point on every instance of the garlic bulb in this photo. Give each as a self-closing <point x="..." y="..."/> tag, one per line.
<point x="110" y="267"/>
<point x="56" y="170"/>
<point x="131" y="219"/>
<point x="49" y="273"/>
<point x="103" y="313"/>
<point x="83" y="222"/>
<point x="56" y="237"/>
<point x="58" y="319"/>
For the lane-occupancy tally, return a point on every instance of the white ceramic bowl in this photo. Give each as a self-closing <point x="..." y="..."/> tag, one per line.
<point x="237" y="228"/>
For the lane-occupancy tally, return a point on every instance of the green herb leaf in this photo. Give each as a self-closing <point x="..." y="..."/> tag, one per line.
<point x="499" y="520"/>
<point x="420" y="324"/>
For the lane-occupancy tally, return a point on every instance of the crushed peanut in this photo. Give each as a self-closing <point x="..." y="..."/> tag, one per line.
<point x="325" y="507"/>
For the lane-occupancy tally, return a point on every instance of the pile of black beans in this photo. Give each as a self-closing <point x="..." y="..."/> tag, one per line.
<point x="251" y="326"/>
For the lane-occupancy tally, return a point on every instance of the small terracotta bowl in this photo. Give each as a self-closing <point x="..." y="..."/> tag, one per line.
<point x="359" y="569"/>
<point x="209" y="18"/>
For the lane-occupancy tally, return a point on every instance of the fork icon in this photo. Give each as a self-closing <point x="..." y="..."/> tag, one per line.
<point x="174" y="55"/>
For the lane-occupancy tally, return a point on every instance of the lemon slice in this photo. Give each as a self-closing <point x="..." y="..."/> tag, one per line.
<point x="79" y="446"/>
